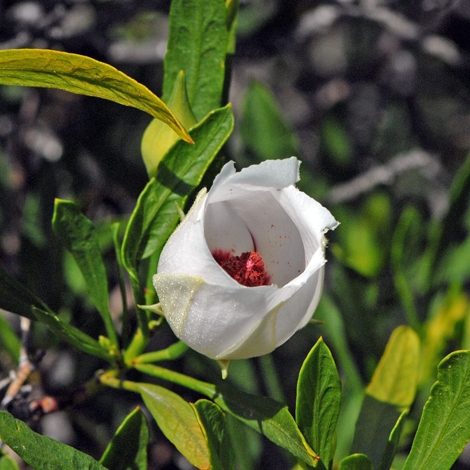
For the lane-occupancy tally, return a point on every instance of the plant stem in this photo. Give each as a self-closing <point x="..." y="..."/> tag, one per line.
<point x="111" y="379"/>
<point x="138" y="343"/>
<point x="175" y="377"/>
<point x="172" y="352"/>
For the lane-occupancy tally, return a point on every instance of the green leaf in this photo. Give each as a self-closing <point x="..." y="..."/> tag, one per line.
<point x="365" y="235"/>
<point x="393" y="442"/>
<point x="318" y="401"/>
<point x="263" y="128"/>
<point x="128" y="448"/>
<point x="85" y="76"/>
<point x="9" y="341"/>
<point x="41" y="452"/>
<point x="374" y="425"/>
<point x="356" y="462"/>
<point x="403" y="249"/>
<point x="15" y="298"/>
<point x="7" y="463"/>
<point x="77" y="234"/>
<point x="443" y="232"/>
<point x="217" y="435"/>
<point x="179" y="422"/>
<point x="444" y="429"/>
<point x="396" y="377"/>
<point x="71" y="334"/>
<point x="337" y="142"/>
<point x="180" y="171"/>
<point x="391" y="391"/>
<point x="197" y="44"/>
<point x="246" y="444"/>
<point x="328" y="312"/>
<point x="268" y="417"/>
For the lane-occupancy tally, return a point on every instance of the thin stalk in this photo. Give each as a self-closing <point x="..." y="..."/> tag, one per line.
<point x="112" y="380"/>
<point x="172" y="352"/>
<point x="138" y="344"/>
<point x="197" y="385"/>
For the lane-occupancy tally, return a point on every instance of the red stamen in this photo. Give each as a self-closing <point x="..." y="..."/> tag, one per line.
<point x="247" y="269"/>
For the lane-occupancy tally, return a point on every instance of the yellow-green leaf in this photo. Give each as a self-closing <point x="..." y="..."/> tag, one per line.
<point x="396" y="377"/>
<point x="179" y="422"/>
<point x="85" y="76"/>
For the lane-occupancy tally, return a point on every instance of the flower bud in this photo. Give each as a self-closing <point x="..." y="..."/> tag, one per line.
<point x="244" y="270"/>
<point x="158" y="138"/>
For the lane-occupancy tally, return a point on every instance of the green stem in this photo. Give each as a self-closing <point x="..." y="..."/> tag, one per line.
<point x="138" y="343"/>
<point x="111" y="379"/>
<point x="125" y="313"/>
<point x="197" y="385"/>
<point x="172" y="352"/>
<point x="139" y="298"/>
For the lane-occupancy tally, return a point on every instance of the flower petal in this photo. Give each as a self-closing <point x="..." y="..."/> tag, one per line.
<point x="284" y="318"/>
<point x="225" y="230"/>
<point x="186" y="251"/>
<point x="258" y="209"/>
<point x="208" y="317"/>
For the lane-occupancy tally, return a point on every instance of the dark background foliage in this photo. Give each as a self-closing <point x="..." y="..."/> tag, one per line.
<point x="373" y="96"/>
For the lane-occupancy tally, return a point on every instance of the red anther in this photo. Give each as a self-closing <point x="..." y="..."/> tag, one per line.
<point x="247" y="269"/>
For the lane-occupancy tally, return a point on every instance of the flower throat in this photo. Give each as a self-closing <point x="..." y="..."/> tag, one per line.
<point x="247" y="269"/>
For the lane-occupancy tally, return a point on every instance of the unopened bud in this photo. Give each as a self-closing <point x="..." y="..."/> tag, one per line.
<point x="158" y="138"/>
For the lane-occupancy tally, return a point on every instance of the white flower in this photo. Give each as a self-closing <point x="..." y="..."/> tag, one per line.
<point x="248" y="218"/>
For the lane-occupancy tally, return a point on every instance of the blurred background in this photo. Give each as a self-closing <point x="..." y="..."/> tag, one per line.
<point x="373" y="96"/>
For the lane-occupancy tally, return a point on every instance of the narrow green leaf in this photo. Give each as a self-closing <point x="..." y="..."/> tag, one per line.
<point x="374" y="425"/>
<point x="390" y="392"/>
<point x="356" y="462"/>
<point x="77" y="234"/>
<point x="444" y="429"/>
<point x="268" y="417"/>
<point x="128" y="448"/>
<point x="71" y="334"/>
<point x="197" y="44"/>
<point x="7" y="463"/>
<point x="122" y="285"/>
<point x="443" y="232"/>
<point x="402" y="247"/>
<point x="396" y="377"/>
<point x="318" y="401"/>
<point x="217" y="435"/>
<point x="41" y="452"/>
<point x="178" y="421"/>
<point x="393" y="442"/>
<point x="85" y="76"/>
<point x="180" y="171"/>
<point x="335" y="330"/>
<point x="246" y="444"/>
<point x="263" y="128"/>
<point x="9" y="341"/>
<point x="15" y="298"/>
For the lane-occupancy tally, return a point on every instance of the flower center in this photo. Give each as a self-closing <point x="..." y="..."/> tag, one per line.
<point x="247" y="269"/>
